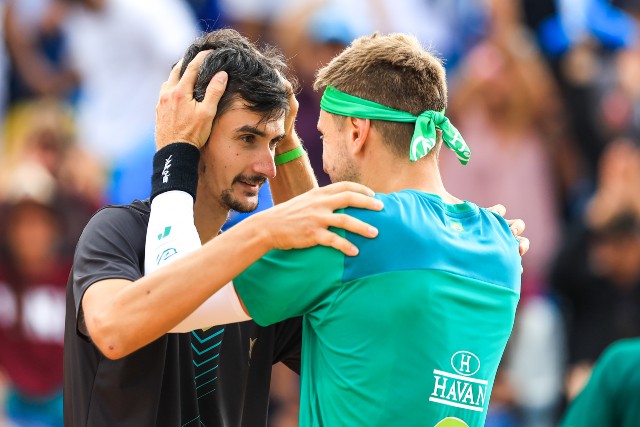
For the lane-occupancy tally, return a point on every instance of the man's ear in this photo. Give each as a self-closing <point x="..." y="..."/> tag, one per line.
<point x="359" y="132"/>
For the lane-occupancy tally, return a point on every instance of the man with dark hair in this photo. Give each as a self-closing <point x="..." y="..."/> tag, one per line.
<point x="410" y="331"/>
<point x="121" y="368"/>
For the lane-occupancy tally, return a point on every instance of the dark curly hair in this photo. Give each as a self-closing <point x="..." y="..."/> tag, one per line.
<point x="255" y="75"/>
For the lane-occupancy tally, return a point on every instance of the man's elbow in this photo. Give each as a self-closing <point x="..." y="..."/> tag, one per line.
<point x="108" y="337"/>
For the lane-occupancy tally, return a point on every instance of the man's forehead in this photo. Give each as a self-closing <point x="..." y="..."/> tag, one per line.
<point x="240" y="112"/>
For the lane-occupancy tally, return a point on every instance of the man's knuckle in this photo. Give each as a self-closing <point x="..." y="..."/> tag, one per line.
<point x="164" y="97"/>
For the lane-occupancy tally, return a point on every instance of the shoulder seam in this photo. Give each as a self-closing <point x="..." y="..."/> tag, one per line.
<point x="126" y="207"/>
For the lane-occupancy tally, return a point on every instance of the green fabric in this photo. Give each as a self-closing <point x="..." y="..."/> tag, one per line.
<point x="611" y="396"/>
<point x="372" y="357"/>
<point x="424" y="136"/>
<point x="390" y="341"/>
<point x="282" y="272"/>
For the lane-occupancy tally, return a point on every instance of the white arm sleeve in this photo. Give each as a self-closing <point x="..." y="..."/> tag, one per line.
<point x="172" y="234"/>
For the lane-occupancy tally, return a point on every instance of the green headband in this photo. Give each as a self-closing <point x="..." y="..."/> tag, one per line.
<point x="424" y="135"/>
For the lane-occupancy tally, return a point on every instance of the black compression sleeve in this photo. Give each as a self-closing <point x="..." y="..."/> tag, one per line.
<point x="175" y="167"/>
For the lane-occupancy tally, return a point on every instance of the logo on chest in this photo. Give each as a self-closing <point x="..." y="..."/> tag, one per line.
<point x="459" y="388"/>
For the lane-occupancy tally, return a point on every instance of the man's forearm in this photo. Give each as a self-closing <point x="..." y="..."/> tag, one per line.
<point x="138" y="313"/>
<point x="172" y="235"/>
<point x="294" y="177"/>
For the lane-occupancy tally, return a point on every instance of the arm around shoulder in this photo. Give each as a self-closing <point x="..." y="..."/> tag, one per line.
<point x="123" y="316"/>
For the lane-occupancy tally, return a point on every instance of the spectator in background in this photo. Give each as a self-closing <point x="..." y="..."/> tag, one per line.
<point x="42" y="133"/>
<point x="597" y="272"/>
<point x="458" y="26"/>
<point x="117" y="50"/>
<point x="616" y="112"/>
<point x="33" y="275"/>
<point x="35" y="43"/>
<point x="577" y="20"/>
<point x="581" y="39"/>
<point x="121" y="51"/>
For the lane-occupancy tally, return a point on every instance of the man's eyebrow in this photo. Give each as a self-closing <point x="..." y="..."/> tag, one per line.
<point x="254" y="130"/>
<point x="250" y="129"/>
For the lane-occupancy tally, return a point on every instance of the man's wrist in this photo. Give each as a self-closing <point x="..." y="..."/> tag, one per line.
<point x="258" y="224"/>
<point x="288" y="143"/>
<point x="289" y="156"/>
<point x="290" y="148"/>
<point x="175" y="167"/>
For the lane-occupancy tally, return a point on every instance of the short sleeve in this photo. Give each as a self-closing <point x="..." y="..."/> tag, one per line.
<point x="110" y="247"/>
<point x="285" y="284"/>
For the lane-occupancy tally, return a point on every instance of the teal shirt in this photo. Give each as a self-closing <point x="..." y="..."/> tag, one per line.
<point x="411" y="331"/>
<point x="611" y="397"/>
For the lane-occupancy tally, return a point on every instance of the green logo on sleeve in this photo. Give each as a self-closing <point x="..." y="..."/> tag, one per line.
<point x="167" y="230"/>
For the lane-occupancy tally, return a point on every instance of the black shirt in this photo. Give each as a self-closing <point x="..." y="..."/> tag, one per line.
<point x="214" y="377"/>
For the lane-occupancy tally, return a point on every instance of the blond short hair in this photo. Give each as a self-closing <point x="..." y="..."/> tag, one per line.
<point x="394" y="70"/>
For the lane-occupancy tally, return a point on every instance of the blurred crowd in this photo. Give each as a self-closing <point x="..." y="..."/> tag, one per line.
<point x="546" y="93"/>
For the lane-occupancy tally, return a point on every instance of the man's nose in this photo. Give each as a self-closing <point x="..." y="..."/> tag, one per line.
<point x="264" y="165"/>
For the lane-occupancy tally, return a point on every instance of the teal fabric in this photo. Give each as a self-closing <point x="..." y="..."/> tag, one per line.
<point x="467" y="232"/>
<point x="411" y="331"/>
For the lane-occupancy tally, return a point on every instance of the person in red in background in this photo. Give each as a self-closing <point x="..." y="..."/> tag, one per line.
<point x="33" y="276"/>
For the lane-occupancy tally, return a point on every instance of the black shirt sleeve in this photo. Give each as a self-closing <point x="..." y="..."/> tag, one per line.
<point x="110" y="247"/>
<point x="288" y="343"/>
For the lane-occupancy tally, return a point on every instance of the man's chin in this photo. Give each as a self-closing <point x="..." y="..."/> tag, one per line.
<point x="245" y="208"/>
<point x="240" y="201"/>
<point x="243" y="205"/>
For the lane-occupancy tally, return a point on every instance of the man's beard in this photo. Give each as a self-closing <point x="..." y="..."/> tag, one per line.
<point x="234" y="204"/>
<point x="347" y="171"/>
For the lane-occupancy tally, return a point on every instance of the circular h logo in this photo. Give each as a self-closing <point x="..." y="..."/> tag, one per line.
<point x="465" y="363"/>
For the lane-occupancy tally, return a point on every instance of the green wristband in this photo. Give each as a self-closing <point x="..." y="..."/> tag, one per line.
<point x="289" y="155"/>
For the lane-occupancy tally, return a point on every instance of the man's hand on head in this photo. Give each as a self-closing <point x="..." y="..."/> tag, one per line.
<point x="179" y="117"/>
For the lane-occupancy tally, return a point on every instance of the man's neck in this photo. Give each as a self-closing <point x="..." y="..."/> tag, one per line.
<point x="388" y="174"/>
<point x="209" y="218"/>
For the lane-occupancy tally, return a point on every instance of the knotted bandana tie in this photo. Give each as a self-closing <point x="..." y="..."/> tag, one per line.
<point x="424" y="134"/>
